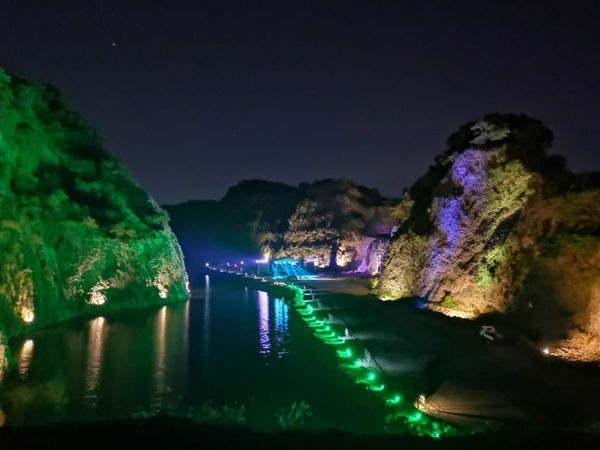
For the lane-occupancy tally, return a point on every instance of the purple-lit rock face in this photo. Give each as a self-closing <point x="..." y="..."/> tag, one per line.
<point x="456" y="218"/>
<point x="372" y="261"/>
<point x="481" y="192"/>
<point x="492" y="229"/>
<point x="468" y="243"/>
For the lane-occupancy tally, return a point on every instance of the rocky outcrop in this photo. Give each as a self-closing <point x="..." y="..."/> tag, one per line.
<point x="559" y="273"/>
<point x="372" y="262"/>
<point x="496" y="226"/>
<point x="77" y="235"/>
<point x="330" y="223"/>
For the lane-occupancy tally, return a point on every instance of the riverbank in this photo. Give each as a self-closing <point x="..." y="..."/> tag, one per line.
<point x="453" y="373"/>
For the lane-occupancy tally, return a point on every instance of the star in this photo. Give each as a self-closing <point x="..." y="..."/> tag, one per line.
<point x="114" y="44"/>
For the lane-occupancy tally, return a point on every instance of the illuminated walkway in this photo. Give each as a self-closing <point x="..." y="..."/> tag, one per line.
<point x="456" y="375"/>
<point x="447" y="369"/>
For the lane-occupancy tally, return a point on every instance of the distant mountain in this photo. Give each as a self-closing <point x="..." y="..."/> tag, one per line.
<point x="330" y="222"/>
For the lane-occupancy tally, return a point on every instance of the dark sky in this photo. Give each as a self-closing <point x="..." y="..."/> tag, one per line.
<point x="198" y="95"/>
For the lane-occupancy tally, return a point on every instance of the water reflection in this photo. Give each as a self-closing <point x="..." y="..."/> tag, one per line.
<point x="273" y="337"/>
<point x="25" y="357"/>
<point x="95" y="350"/>
<point x="281" y="327"/>
<point x="152" y="361"/>
<point x="206" y="326"/>
<point x="186" y="334"/>
<point x="264" y="337"/>
<point x="160" y="345"/>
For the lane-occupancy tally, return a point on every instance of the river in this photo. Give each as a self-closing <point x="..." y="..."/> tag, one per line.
<point x="229" y="355"/>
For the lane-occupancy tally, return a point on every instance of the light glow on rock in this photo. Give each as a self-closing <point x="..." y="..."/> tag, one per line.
<point x="458" y="313"/>
<point x="27" y="314"/>
<point x="267" y="254"/>
<point x="187" y="285"/>
<point x="343" y="257"/>
<point x="163" y="279"/>
<point x="97" y="295"/>
<point x="373" y="260"/>
<point x="24" y="308"/>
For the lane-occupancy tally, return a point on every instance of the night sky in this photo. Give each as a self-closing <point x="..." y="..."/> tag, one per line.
<point x="196" y="96"/>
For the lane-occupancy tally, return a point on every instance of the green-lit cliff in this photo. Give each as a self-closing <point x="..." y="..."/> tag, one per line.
<point x="498" y="226"/>
<point x="77" y="235"/>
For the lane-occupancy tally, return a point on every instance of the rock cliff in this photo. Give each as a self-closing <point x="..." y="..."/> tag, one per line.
<point x="77" y="235"/>
<point x="498" y="226"/>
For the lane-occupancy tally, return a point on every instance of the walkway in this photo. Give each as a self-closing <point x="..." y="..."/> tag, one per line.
<point x="457" y="375"/>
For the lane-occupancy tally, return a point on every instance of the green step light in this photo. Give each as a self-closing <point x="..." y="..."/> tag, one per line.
<point x="345" y="353"/>
<point x="394" y="400"/>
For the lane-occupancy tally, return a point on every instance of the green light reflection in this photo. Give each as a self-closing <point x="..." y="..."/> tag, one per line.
<point x="416" y="422"/>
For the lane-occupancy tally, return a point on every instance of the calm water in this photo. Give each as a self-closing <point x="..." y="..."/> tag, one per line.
<point x="229" y="354"/>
